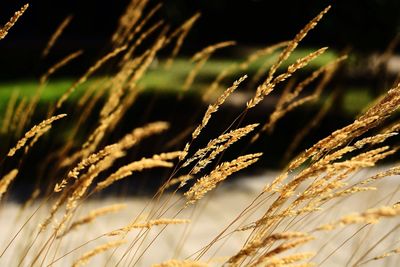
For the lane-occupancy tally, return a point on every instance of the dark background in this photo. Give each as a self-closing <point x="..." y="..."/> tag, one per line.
<point x="367" y="26"/>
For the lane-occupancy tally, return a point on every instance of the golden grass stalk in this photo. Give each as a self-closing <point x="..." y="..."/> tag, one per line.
<point x="328" y="68"/>
<point x="386" y="105"/>
<point x="109" y="120"/>
<point x="37" y="136"/>
<point x="182" y="180"/>
<point x="284" y="247"/>
<point x="94" y="214"/>
<point x="127" y="170"/>
<point x="192" y="74"/>
<point x="370" y="119"/>
<point x="262" y="53"/>
<point x="167" y="155"/>
<point x="210" y="110"/>
<point x="88" y="73"/>
<point x="203" y="162"/>
<point x="144" y="21"/>
<point x="220" y="173"/>
<point x="327" y="163"/>
<point x="142" y="37"/>
<point x="85" y="258"/>
<point x="42" y="83"/>
<point x="33" y="132"/>
<point x="283" y="261"/>
<point x="387" y="254"/>
<point x="92" y="142"/>
<point x="18" y="115"/>
<point x="116" y="149"/>
<point x="214" y="107"/>
<point x="201" y="58"/>
<point x="267" y="87"/>
<point x="80" y="188"/>
<point x="252" y="247"/>
<point x="5" y="127"/>
<point x="6" y="181"/>
<point x="181" y="263"/>
<point x="92" y="94"/>
<point x="63" y="62"/>
<point x="118" y="85"/>
<point x="370" y="216"/>
<point x="143" y="132"/>
<point x="342" y="170"/>
<point x="294" y="43"/>
<point x="98" y="134"/>
<point x="54" y="37"/>
<point x="387" y="173"/>
<point x="53" y="210"/>
<point x="23" y="116"/>
<point x="260" y="73"/>
<point x="320" y="188"/>
<point x="393" y="127"/>
<point x="129" y="75"/>
<point x="4" y="30"/>
<point x="149" y="224"/>
<point x="215" y="85"/>
<point x="336" y="139"/>
<point x="287" y="101"/>
<point x="347" y="192"/>
<point x="86" y="162"/>
<point x="95" y="93"/>
<point x="219" y="144"/>
<point x="362" y="160"/>
<point x="92" y="159"/>
<point x="288" y="212"/>
<point x="206" y="52"/>
<point x="181" y="32"/>
<point x="300" y="135"/>
<point x="127" y="21"/>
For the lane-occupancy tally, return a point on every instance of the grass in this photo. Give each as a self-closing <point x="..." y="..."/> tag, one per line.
<point x="278" y="226"/>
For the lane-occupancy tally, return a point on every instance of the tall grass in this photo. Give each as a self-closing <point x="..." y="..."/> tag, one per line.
<point x="279" y="227"/>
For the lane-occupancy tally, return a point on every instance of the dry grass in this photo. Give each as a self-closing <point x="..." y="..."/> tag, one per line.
<point x="280" y="225"/>
<point x="4" y="30"/>
<point x="57" y="33"/>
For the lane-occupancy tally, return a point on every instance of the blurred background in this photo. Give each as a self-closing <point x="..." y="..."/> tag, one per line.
<point x="366" y="27"/>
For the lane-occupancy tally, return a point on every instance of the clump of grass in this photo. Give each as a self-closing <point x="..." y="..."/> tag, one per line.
<point x="90" y="254"/>
<point x="288" y="215"/>
<point x="36" y="130"/>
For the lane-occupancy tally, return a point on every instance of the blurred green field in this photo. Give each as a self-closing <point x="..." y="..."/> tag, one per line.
<point x="162" y="80"/>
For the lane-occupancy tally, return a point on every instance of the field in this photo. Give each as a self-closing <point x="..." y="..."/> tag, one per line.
<point x="94" y="172"/>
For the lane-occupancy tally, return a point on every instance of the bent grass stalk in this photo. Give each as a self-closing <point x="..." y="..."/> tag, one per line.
<point x="5" y="29"/>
